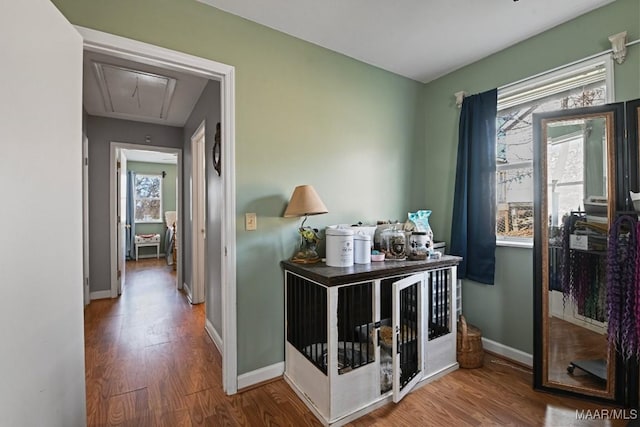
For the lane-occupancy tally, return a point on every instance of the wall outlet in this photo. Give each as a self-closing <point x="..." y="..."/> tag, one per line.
<point x="250" y="221"/>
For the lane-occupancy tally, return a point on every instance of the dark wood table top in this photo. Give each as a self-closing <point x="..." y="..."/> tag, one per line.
<point x="333" y="276"/>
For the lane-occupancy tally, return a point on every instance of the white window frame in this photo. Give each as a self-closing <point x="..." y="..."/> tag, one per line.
<point x="533" y="88"/>
<point x="159" y="220"/>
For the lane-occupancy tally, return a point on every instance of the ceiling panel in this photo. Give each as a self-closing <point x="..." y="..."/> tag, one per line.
<point x="122" y="89"/>
<point x="133" y="92"/>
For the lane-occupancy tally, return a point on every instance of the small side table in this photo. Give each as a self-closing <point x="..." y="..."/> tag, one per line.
<point x="142" y="240"/>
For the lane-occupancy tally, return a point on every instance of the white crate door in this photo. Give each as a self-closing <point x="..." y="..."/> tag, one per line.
<point x="407" y="340"/>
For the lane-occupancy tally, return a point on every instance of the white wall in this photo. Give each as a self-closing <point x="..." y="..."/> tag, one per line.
<point x="41" y="307"/>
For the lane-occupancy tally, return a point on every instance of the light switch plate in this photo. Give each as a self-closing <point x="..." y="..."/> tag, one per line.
<point x="250" y="221"/>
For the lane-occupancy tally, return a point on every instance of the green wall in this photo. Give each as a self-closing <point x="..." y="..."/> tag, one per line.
<point x="505" y="311"/>
<point x="304" y="115"/>
<point x="169" y="188"/>
<point x="374" y="144"/>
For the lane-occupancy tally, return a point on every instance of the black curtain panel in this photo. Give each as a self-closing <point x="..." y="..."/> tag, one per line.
<point x="473" y="233"/>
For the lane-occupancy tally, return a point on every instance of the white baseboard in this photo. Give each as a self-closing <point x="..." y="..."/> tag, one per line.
<point x="146" y="256"/>
<point x="260" y="375"/>
<point x="187" y="289"/>
<point x="100" y="295"/>
<point x="213" y="334"/>
<point x="508" y="352"/>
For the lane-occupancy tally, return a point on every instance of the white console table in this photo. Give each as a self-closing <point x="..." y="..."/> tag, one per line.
<point x="142" y="240"/>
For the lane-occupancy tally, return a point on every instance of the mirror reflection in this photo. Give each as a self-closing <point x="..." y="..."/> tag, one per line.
<point x="578" y="206"/>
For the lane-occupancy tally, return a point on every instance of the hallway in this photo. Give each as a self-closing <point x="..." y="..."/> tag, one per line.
<point x="148" y="357"/>
<point x="150" y="362"/>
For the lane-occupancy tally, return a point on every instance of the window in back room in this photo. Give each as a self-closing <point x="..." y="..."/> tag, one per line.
<point x="148" y="198"/>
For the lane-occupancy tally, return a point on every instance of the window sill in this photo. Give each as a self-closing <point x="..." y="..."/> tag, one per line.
<point x="525" y="244"/>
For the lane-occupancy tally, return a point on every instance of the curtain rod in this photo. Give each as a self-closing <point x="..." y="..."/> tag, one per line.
<point x="460" y="95"/>
<point x="595" y="55"/>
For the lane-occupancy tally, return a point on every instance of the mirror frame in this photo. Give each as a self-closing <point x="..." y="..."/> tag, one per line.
<point x="633" y="138"/>
<point x="633" y="164"/>
<point x="617" y="185"/>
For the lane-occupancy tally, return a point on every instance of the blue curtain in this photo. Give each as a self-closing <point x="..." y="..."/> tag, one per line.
<point x="131" y="215"/>
<point x="473" y="235"/>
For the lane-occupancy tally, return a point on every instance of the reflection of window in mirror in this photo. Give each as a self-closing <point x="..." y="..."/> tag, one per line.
<point x="576" y="160"/>
<point x="565" y="174"/>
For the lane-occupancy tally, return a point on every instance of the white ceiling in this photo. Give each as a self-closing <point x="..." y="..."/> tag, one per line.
<point x="419" y="39"/>
<point x="121" y="89"/>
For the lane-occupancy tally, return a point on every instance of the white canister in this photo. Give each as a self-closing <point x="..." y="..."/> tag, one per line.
<point x="339" y="247"/>
<point x="362" y="249"/>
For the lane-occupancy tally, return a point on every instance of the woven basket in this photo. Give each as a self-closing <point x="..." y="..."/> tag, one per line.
<point x="469" y="350"/>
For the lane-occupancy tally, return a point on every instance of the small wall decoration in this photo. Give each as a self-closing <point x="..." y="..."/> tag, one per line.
<point x="216" y="150"/>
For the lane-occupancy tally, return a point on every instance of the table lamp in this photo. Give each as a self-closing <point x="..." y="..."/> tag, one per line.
<point x="304" y="202"/>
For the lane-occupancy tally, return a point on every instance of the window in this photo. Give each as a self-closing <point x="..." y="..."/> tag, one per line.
<point x="581" y="85"/>
<point x="148" y="198"/>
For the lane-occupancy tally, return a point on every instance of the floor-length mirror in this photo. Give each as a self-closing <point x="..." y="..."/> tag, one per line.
<point x="576" y="199"/>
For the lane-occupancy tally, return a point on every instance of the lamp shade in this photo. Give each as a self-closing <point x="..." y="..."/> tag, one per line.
<point x="305" y="201"/>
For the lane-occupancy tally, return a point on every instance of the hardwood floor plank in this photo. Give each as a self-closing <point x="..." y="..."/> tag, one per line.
<point x="128" y="407"/>
<point x="201" y="407"/>
<point x="126" y="375"/>
<point x="179" y="418"/>
<point x="149" y="362"/>
<point x="222" y="418"/>
<point x="167" y="394"/>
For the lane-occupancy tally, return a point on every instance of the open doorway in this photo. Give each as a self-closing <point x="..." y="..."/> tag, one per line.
<point x="220" y="323"/>
<point x="147" y="201"/>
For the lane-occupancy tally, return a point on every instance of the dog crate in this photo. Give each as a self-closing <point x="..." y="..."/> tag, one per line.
<point x="307" y="325"/>
<point x="353" y="343"/>
<point x="440" y="344"/>
<point x="334" y="366"/>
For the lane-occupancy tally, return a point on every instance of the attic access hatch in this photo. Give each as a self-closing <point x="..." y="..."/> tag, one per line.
<point x="134" y="93"/>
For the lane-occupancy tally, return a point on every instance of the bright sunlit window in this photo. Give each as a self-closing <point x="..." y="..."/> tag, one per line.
<point x="148" y="198"/>
<point x="584" y="84"/>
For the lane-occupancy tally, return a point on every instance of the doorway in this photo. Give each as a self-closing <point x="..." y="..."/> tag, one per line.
<point x="146" y="204"/>
<point x="95" y="41"/>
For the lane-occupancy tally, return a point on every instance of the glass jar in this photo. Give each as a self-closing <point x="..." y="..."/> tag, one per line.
<point x="418" y="245"/>
<point x="393" y="244"/>
<point x="377" y="235"/>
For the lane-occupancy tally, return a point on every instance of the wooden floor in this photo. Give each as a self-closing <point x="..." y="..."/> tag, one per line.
<point x="149" y="362"/>
<point x="569" y="342"/>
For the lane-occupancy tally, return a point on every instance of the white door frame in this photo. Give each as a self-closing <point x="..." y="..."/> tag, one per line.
<point x="198" y="216"/>
<point x="120" y="205"/>
<point x="114" y="146"/>
<point x="85" y="219"/>
<point x="109" y="44"/>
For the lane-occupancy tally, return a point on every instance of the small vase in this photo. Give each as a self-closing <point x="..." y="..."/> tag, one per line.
<point x="307" y="254"/>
